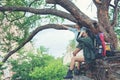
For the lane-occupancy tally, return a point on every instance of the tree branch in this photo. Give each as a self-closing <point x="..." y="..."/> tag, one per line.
<point x="112" y="6"/>
<point x="48" y="26"/>
<point x="76" y="13"/>
<point x="40" y="11"/>
<point x="6" y="16"/>
<point x="18" y="17"/>
<point x="115" y="13"/>
<point x="102" y="13"/>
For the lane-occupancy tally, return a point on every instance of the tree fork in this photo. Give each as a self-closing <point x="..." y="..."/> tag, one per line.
<point x="76" y="13"/>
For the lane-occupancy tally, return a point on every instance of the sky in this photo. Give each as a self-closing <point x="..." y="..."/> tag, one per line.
<point x="58" y="40"/>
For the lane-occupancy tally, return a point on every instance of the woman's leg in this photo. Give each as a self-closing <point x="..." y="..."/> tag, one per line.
<point x="76" y="51"/>
<point x="69" y="73"/>
<point x="78" y="65"/>
<point x="75" y="59"/>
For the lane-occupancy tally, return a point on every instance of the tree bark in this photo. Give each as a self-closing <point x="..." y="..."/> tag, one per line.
<point x="40" y="11"/>
<point x="104" y="22"/>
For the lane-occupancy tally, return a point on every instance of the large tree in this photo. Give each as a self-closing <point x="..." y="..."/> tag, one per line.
<point x="104" y="23"/>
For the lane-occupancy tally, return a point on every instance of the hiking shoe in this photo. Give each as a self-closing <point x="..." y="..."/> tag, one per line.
<point x="69" y="75"/>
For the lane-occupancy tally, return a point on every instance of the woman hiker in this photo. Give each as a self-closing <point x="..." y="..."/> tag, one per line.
<point x="84" y="41"/>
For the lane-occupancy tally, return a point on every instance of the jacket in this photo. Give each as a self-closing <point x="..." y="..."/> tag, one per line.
<point x="87" y="51"/>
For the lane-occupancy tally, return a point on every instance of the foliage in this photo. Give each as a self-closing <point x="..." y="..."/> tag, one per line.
<point x="16" y="26"/>
<point x="71" y="46"/>
<point x="2" y="67"/>
<point x="37" y="66"/>
<point x="53" y="71"/>
<point x="117" y="27"/>
<point x="72" y="43"/>
<point x="117" y="30"/>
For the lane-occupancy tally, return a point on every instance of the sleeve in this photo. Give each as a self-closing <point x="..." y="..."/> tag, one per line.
<point x="80" y="45"/>
<point x="86" y="41"/>
<point x="72" y="29"/>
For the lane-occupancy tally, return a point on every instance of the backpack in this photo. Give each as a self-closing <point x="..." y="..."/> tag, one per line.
<point x="99" y="45"/>
<point x="98" y="42"/>
<point x="101" y="48"/>
<point x="109" y="50"/>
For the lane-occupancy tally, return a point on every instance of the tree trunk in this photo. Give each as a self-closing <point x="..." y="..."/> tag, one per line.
<point x="104" y="22"/>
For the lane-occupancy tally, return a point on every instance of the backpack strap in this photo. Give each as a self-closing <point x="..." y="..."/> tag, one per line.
<point x="101" y="35"/>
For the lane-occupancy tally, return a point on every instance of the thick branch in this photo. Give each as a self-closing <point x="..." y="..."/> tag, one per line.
<point x="104" y="22"/>
<point x="102" y="13"/>
<point x="115" y="13"/>
<point x="18" y="17"/>
<point x="40" y="11"/>
<point x="112" y="5"/>
<point x="48" y="26"/>
<point x="76" y="12"/>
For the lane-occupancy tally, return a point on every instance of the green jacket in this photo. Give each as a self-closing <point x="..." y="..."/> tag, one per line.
<point x="86" y="44"/>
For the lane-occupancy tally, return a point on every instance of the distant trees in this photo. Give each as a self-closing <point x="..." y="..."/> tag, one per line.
<point x="37" y="66"/>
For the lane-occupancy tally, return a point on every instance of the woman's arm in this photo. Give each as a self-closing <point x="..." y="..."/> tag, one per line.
<point x="65" y="26"/>
<point x="86" y="41"/>
<point x="70" y="28"/>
